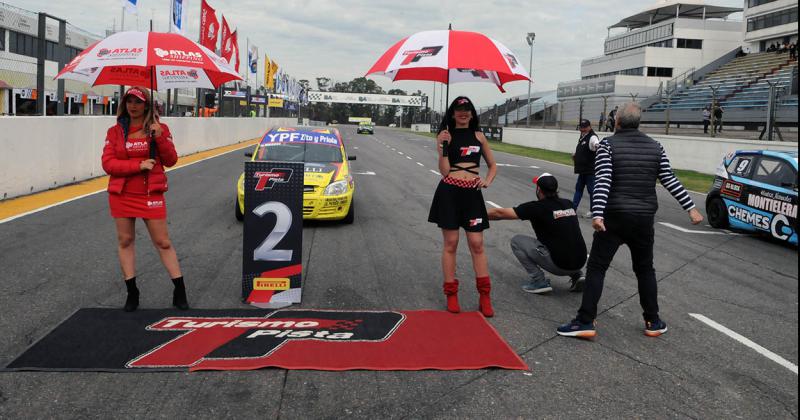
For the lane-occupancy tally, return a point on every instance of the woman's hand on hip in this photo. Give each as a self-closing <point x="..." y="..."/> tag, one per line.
<point x="147" y="164"/>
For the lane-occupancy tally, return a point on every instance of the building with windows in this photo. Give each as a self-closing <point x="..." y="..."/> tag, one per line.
<point x="768" y="22"/>
<point x="19" y="48"/>
<point x="644" y="51"/>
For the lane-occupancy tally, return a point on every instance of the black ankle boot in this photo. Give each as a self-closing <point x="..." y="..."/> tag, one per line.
<point x="132" y="302"/>
<point x="179" y="294"/>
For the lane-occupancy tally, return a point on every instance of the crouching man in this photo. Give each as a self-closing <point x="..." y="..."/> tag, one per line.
<point x="558" y="247"/>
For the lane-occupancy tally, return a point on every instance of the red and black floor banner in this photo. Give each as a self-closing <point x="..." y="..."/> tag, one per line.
<point x="237" y="339"/>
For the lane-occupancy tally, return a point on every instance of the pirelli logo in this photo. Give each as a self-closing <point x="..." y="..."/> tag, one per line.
<point x="263" y="283"/>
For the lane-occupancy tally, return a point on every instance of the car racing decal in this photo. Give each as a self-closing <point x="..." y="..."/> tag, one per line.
<point x="327" y="139"/>
<point x="731" y="189"/>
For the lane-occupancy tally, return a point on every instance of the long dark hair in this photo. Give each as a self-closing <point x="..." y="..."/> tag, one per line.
<point x="449" y="122"/>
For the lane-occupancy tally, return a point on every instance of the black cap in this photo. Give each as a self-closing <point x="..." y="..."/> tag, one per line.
<point x="546" y="182"/>
<point x="584" y="123"/>
<point x="462" y="104"/>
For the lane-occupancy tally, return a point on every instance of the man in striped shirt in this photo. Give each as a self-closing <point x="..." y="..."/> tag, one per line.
<point x="624" y="205"/>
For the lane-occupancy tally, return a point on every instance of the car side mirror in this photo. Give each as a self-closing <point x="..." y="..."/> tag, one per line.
<point x="349" y="157"/>
<point x="248" y="154"/>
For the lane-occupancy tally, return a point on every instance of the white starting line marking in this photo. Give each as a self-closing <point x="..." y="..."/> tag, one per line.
<point x="493" y="204"/>
<point x="364" y="173"/>
<point x="399" y="153"/>
<point x="420" y="164"/>
<point x="436" y="172"/>
<point x="408" y="157"/>
<point x="704" y="232"/>
<point x="747" y="342"/>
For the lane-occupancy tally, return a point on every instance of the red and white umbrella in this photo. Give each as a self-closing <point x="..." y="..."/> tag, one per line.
<point x="150" y="59"/>
<point x="450" y="57"/>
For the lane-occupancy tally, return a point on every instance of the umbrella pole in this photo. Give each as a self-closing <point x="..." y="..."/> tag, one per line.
<point x="447" y="96"/>
<point x="152" y="112"/>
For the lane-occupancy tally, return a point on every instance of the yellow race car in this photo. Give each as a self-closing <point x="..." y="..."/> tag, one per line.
<point x="328" y="183"/>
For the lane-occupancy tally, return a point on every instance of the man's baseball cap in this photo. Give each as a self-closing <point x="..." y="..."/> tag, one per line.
<point x="137" y="93"/>
<point x="546" y="182"/>
<point x="584" y="123"/>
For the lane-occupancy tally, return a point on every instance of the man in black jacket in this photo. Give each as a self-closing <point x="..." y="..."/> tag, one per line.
<point x="583" y="159"/>
<point x="623" y="206"/>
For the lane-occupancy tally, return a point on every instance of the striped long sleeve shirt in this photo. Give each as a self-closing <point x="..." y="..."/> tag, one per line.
<point x="604" y="171"/>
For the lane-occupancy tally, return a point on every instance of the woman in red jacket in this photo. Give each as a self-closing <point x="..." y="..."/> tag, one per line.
<point x="136" y="188"/>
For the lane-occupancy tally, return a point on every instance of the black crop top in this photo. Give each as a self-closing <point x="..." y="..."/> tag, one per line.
<point x="464" y="149"/>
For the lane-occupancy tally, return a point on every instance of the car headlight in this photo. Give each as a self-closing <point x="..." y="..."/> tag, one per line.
<point x="336" y="188"/>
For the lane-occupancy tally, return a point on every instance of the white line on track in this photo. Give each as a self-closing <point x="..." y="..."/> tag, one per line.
<point x="684" y="230"/>
<point x="8" y="219"/>
<point x="409" y="157"/>
<point x="364" y="173"/>
<point x="436" y="172"/>
<point x="399" y="153"/>
<point x="420" y="164"/>
<point x="493" y="204"/>
<point x="747" y="342"/>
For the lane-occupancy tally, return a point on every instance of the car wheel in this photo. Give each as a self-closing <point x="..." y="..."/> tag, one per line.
<point x="717" y="213"/>
<point x="239" y="214"/>
<point x="351" y="214"/>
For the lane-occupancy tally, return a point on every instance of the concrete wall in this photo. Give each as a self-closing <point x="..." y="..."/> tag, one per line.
<point x="41" y="153"/>
<point x="425" y="128"/>
<point x="699" y="154"/>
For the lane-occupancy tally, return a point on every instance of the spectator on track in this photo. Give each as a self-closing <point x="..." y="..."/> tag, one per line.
<point x="624" y="205"/>
<point x="583" y="162"/>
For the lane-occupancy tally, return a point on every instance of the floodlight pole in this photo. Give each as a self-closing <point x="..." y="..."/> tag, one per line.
<point x="531" y="36"/>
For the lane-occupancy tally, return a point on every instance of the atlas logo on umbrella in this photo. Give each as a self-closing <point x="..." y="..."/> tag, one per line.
<point x="415" y="55"/>
<point x="178" y="54"/>
<point x="118" y="52"/>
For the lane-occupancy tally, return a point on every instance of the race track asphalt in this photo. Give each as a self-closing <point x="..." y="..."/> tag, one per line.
<point x="64" y="258"/>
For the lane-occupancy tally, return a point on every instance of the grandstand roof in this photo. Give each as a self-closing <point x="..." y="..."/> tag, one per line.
<point x="668" y="9"/>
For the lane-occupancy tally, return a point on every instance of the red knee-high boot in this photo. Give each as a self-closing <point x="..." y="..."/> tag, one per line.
<point x="451" y="291"/>
<point x="484" y="286"/>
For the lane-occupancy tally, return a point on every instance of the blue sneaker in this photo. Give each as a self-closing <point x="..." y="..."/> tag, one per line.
<point x="654" y="328"/>
<point x="538" y="286"/>
<point x="576" y="328"/>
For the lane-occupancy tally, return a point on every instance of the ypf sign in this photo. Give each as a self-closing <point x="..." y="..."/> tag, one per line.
<point x="273" y="233"/>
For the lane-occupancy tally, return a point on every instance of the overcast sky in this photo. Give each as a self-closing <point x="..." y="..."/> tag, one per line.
<point x="342" y="39"/>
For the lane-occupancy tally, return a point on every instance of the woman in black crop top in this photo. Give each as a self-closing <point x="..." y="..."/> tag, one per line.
<point x="458" y="201"/>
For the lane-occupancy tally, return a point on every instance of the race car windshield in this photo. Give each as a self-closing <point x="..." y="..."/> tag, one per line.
<point x="299" y="152"/>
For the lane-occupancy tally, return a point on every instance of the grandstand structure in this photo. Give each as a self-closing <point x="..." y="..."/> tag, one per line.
<point x="645" y="51"/>
<point x="741" y="86"/>
<point x="740" y="81"/>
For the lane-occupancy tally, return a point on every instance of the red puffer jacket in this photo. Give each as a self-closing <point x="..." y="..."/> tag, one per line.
<point x="123" y="168"/>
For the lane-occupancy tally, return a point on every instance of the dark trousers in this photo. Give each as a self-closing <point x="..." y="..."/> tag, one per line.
<point x="636" y="231"/>
<point x="706" y="123"/>
<point x="587" y="181"/>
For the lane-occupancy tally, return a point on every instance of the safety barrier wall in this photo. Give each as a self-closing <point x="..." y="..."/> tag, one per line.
<point x="38" y="153"/>
<point x="701" y="154"/>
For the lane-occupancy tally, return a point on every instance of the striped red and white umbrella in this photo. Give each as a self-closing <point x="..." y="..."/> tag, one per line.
<point x="450" y="57"/>
<point x="150" y="59"/>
